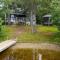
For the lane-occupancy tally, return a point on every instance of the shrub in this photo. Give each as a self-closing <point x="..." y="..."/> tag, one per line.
<point x="2" y="32"/>
<point x="56" y="37"/>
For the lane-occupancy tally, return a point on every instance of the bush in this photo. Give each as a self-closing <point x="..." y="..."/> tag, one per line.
<point x="57" y="23"/>
<point x="2" y="32"/>
<point x="56" y="37"/>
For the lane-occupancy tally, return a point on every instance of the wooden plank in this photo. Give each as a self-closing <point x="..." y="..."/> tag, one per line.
<point x="6" y="44"/>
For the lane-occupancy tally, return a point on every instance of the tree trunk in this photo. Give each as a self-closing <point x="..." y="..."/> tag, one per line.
<point x="32" y="22"/>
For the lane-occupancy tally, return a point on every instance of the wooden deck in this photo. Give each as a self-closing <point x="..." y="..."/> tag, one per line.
<point x="6" y="44"/>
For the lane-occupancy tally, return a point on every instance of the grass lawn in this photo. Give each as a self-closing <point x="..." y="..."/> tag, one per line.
<point x="31" y="37"/>
<point x="43" y="34"/>
<point x="47" y="28"/>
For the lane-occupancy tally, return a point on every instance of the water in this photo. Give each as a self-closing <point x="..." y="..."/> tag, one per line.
<point x="27" y="54"/>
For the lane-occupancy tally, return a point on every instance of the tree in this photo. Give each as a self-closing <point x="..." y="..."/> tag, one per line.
<point x="43" y="7"/>
<point x="30" y="6"/>
<point x="55" y="5"/>
<point x="36" y="7"/>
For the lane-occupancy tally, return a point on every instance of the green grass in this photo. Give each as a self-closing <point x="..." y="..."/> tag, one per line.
<point x="43" y="34"/>
<point x="32" y="37"/>
<point x="47" y="28"/>
<point x="27" y="54"/>
<point x="10" y="30"/>
<point x="3" y="33"/>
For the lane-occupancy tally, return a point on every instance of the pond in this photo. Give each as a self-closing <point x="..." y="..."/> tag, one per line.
<point x="29" y="54"/>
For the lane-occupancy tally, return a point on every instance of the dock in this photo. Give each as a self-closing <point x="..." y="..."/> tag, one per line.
<point x="6" y="44"/>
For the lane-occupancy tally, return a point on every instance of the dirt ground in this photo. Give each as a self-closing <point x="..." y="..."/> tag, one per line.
<point x="37" y="46"/>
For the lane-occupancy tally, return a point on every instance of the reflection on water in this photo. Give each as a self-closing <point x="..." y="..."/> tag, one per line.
<point x="18" y="54"/>
<point x="27" y="54"/>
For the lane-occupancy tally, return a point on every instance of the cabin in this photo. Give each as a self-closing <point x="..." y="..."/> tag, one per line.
<point x="16" y="17"/>
<point x="47" y="20"/>
<point x="19" y="17"/>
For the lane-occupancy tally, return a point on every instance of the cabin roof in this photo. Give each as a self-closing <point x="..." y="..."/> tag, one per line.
<point x="47" y="15"/>
<point x="18" y="14"/>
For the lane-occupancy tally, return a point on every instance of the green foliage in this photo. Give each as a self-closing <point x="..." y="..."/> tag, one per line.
<point x="56" y="37"/>
<point x="55" y="5"/>
<point x="43" y="8"/>
<point x="46" y="7"/>
<point x="57" y="23"/>
<point x="2" y="31"/>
